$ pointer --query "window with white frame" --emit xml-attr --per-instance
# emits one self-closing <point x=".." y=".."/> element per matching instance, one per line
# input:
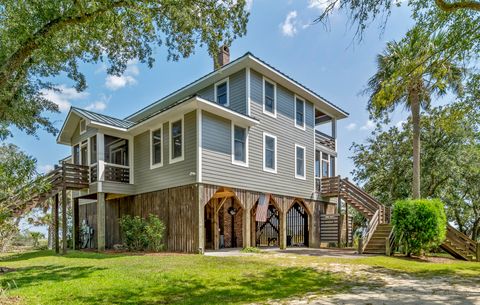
<point x="269" y="153"/>
<point x="299" y="113"/>
<point x="299" y="162"/>
<point x="83" y="126"/>
<point x="239" y="146"/>
<point x="325" y="165"/>
<point x="269" y="98"/>
<point x="156" y="147"/>
<point x="332" y="166"/>
<point x="221" y="93"/>
<point x="93" y="149"/>
<point x="76" y="154"/>
<point x="176" y="140"/>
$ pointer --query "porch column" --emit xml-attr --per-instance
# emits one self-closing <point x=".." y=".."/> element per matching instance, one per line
<point x="55" y="224"/>
<point x="76" y="223"/>
<point x="64" y="220"/>
<point x="216" y="236"/>
<point x="101" y="156"/>
<point x="201" y="220"/>
<point x="283" y="230"/>
<point x="101" y="240"/>
<point x="246" y="226"/>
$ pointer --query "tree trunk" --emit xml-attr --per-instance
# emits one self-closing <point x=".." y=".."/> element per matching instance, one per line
<point x="415" y="108"/>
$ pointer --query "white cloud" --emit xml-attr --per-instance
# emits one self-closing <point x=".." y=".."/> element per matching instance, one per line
<point x="63" y="96"/>
<point x="43" y="169"/>
<point x="369" y="125"/>
<point x="249" y="5"/>
<point x="321" y="5"/>
<point x="114" y="82"/>
<point x="100" y="104"/>
<point x="351" y="126"/>
<point x="289" y="26"/>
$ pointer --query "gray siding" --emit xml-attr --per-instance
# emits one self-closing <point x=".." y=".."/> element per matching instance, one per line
<point x="169" y="175"/>
<point x="77" y="137"/>
<point x="217" y="167"/>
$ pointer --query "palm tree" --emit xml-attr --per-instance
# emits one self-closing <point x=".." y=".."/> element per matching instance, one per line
<point x="409" y="73"/>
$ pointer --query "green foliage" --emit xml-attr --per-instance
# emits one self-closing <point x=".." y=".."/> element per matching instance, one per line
<point x="36" y="236"/>
<point x="420" y="225"/>
<point x="140" y="234"/>
<point x="251" y="250"/>
<point x="43" y="39"/>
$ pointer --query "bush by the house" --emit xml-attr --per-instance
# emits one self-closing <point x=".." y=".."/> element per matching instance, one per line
<point x="142" y="234"/>
<point x="420" y="225"/>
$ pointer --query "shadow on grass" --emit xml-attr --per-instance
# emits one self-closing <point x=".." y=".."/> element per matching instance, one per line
<point x="22" y="256"/>
<point x="275" y="283"/>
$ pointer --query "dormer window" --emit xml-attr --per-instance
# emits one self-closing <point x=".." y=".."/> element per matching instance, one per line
<point x="221" y="93"/>
<point x="83" y="126"/>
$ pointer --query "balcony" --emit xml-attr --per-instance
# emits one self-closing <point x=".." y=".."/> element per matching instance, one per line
<point x="324" y="140"/>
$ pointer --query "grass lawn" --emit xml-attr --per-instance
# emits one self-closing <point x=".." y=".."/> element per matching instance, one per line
<point x="90" y="278"/>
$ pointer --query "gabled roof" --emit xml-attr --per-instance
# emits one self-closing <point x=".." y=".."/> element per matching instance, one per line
<point x="247" y="60"/>
<point x="103" y="119"/>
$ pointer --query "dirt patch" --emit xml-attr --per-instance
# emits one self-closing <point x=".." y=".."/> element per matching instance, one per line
<point x="6" y="270"/>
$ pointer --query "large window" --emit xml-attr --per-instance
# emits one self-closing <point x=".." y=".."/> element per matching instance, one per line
<point x="76" y="154"/>
<point x="84" y="153"/>
<point x="299" y="113"/>
<point x="239" y="145"/>
<point x="176" y="141"/>
<point x="269" y="98"/>
<point x="269" y="153"/>
<point x="221" y="93"/>
<point x="299" y="162"/>
<point x="93" y="150"/>
<point x="156" y="146"/>
<point x="332" y="166"/>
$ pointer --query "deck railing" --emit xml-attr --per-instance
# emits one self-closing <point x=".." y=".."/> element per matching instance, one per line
<point x="117" y="173"/>
<point x="324" y="140"/>
<point x="368" y="233"/>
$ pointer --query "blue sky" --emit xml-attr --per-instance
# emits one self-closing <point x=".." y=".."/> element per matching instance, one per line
<point x="281" y="33"/>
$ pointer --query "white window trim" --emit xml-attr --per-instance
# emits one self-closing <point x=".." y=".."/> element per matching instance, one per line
<point x="80" y="126"/>
<point x="295" y="112"/>
<point x="156" y="165"/>
<point x="236" y="162"/>
<point x="321" y="164"/>
<point x="225" y="80"/>
<point x="274" y="114"/>
<point x="182" y="157"/>
<point x="266" y="169"/>
<point x="304" y="177"/>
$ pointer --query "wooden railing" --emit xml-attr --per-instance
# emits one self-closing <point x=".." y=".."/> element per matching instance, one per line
<point x="117" y="173"/>
<point x="391" y="243"/>
<point x="72" y="176"/>
<point x="463" y="244"/>
<point x="368" y="233"/>
<point x="324" y="140"/>
<point x="94" y="172"/>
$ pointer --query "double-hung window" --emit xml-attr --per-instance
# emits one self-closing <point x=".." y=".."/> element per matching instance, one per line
<point x="239" y="145"/>
<point x="299" y="162"/>
<point x="269" y="98"/>
<point x="325" y="165"/>
<point x="269" y="153"/>
<point x="93" y="150"/>
<point x="176" y="141"/>
<point x="83" y="126"/>
<point x="299" y="113"/>
<point x="221" y="93"/>
<point x="156" y="146"/>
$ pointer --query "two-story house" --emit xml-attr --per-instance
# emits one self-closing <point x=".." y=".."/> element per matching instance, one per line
<point x="233" y="159"/>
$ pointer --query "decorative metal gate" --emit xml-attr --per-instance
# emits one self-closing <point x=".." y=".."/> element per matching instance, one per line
<point x="297" y="226"/>
<point x="267" y="233"/>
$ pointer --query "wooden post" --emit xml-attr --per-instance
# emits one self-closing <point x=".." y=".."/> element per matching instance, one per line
<point x="246" y="226"/>
<point x="76" y="224"/>
<point x="339" y="210"/>
<point x="64" y="220"/>
<point x="216" y="236"/>
<point x="283" y="230"/>
<point x="101" y="221"/>
<point x="55" y="224"/>
<point x="360" y="245"/>
<point x="201" y="220"/>
<point x="387" y="246"/>
<point x="478" y="252"/>
<point x="346" y="225"/>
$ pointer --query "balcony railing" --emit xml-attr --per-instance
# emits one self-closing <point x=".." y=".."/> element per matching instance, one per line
<point x="93" y="172"/>
<point x="117" y="173"/>
<point x="324" y="140"/>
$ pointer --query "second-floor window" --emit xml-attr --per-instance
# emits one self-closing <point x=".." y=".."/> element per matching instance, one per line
<point x="269" y="153"/>
<point x="299" y="162"/>
<point x="83" y="126"/>
<point x="156" y="140"/>
<point x="176" y="141"/>
<point x="269" y="98"/>
<point x="76" y="154"/>
<point x="221" y="93"/>
<point x="239" y="145"/>
<point x="93" y="150"/>
<point x="325" y="165"/>
<point x="299" y="113"/>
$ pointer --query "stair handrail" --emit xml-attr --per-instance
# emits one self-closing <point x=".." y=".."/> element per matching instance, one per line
<point x="391" y="242"/>
<point x="368" y="233"/>
<point x="357" y="193"/>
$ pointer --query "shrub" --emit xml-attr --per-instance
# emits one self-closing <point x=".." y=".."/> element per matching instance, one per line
<point x="140" y="234"/>
<point x="420" y="225"/>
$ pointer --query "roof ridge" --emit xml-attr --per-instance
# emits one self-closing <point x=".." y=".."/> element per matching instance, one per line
<point x="105" y="115"/>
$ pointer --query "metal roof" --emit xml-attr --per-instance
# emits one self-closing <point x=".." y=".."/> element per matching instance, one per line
<point x="103" y="119"/>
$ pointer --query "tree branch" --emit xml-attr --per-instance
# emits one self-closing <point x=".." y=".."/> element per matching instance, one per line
<point x="461" y="5"/>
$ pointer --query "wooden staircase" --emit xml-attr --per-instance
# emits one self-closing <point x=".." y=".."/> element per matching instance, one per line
<point x="378" y="237"/>
<point x="460" y="245"/>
